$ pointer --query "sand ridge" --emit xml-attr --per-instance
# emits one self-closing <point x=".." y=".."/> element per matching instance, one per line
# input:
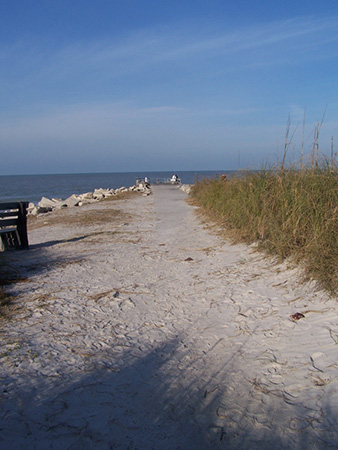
<point x="151" y="332"/>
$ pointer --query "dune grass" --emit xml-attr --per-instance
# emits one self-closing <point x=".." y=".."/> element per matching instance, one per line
<point x="5" y="300"/>
<point x="290" y="213"/>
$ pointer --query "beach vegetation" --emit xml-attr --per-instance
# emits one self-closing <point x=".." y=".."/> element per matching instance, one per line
<point x="289" y="212"/>
<point x="5" y="300"/>
<point x="84" y="215"/>
<point x="79" y="217"/>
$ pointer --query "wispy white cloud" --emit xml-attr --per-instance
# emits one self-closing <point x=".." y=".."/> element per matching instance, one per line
<point x="101" y="119"/>
<point x="83" y="121"/>
<point x="183" y="86"/>
<point x="89" y="123"/>
<point x="176" y="44"/>
<point x="153" y="47"/>
<point x="103" y="134"/>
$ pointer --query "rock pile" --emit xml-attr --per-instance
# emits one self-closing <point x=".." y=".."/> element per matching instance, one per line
<point x="186" y="188"/>
<point x="47" y="205"/>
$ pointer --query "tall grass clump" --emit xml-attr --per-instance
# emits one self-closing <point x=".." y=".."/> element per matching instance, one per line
<point x="4" y="303"/>
<point x="290" y="213"/>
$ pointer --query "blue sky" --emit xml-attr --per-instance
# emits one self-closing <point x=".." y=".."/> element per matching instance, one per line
<point x="106" y="86"/>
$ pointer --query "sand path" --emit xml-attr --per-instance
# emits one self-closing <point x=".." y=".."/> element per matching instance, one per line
<point x="151" y="332"/>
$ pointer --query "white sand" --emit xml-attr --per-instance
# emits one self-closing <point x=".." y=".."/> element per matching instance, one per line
<point x="121" y="342"/>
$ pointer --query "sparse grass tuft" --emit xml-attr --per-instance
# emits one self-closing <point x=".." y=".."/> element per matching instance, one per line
<point x="5" y="300"/>
<point x="121" y="196"/>
<point x="290" y="213"/>
<point x="79" y="217"/>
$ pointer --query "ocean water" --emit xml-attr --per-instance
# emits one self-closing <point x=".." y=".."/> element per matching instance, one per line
<point x="33" y="187"/>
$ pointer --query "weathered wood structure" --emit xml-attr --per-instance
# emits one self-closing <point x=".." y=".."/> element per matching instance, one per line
<point x="13" y="225"/>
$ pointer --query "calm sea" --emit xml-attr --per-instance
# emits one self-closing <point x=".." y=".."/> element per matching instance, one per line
<point x="32" y="187"/>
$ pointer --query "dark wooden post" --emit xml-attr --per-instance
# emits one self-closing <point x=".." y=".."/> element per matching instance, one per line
<point x="22" y="226"/>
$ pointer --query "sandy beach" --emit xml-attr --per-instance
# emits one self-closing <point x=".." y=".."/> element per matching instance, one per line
<point x="136" y="326"/>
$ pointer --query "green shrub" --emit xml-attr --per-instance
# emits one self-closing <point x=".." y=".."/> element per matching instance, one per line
<point x="290" y="213"/>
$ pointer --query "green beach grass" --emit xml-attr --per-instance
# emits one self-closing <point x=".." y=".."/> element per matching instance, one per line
<point x="290" y="213"/>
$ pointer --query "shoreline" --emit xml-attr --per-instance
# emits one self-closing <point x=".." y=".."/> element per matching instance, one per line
<point x="33" y="187"/>
<point x="138" y="326"/>
<point x="46" y="205"/>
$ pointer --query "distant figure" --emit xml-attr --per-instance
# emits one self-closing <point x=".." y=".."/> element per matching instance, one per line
<point x="174" y="178"/>
<point x="223" y="177"/>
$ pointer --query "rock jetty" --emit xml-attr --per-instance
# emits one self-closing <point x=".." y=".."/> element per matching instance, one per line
<point x="47" y="205"/>
<point x="186" y="188"/>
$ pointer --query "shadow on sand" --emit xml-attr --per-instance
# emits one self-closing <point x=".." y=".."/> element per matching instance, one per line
<point x="17" y="265"/>
<point x="136" y="398"/>
<point x="136" y="402"/>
